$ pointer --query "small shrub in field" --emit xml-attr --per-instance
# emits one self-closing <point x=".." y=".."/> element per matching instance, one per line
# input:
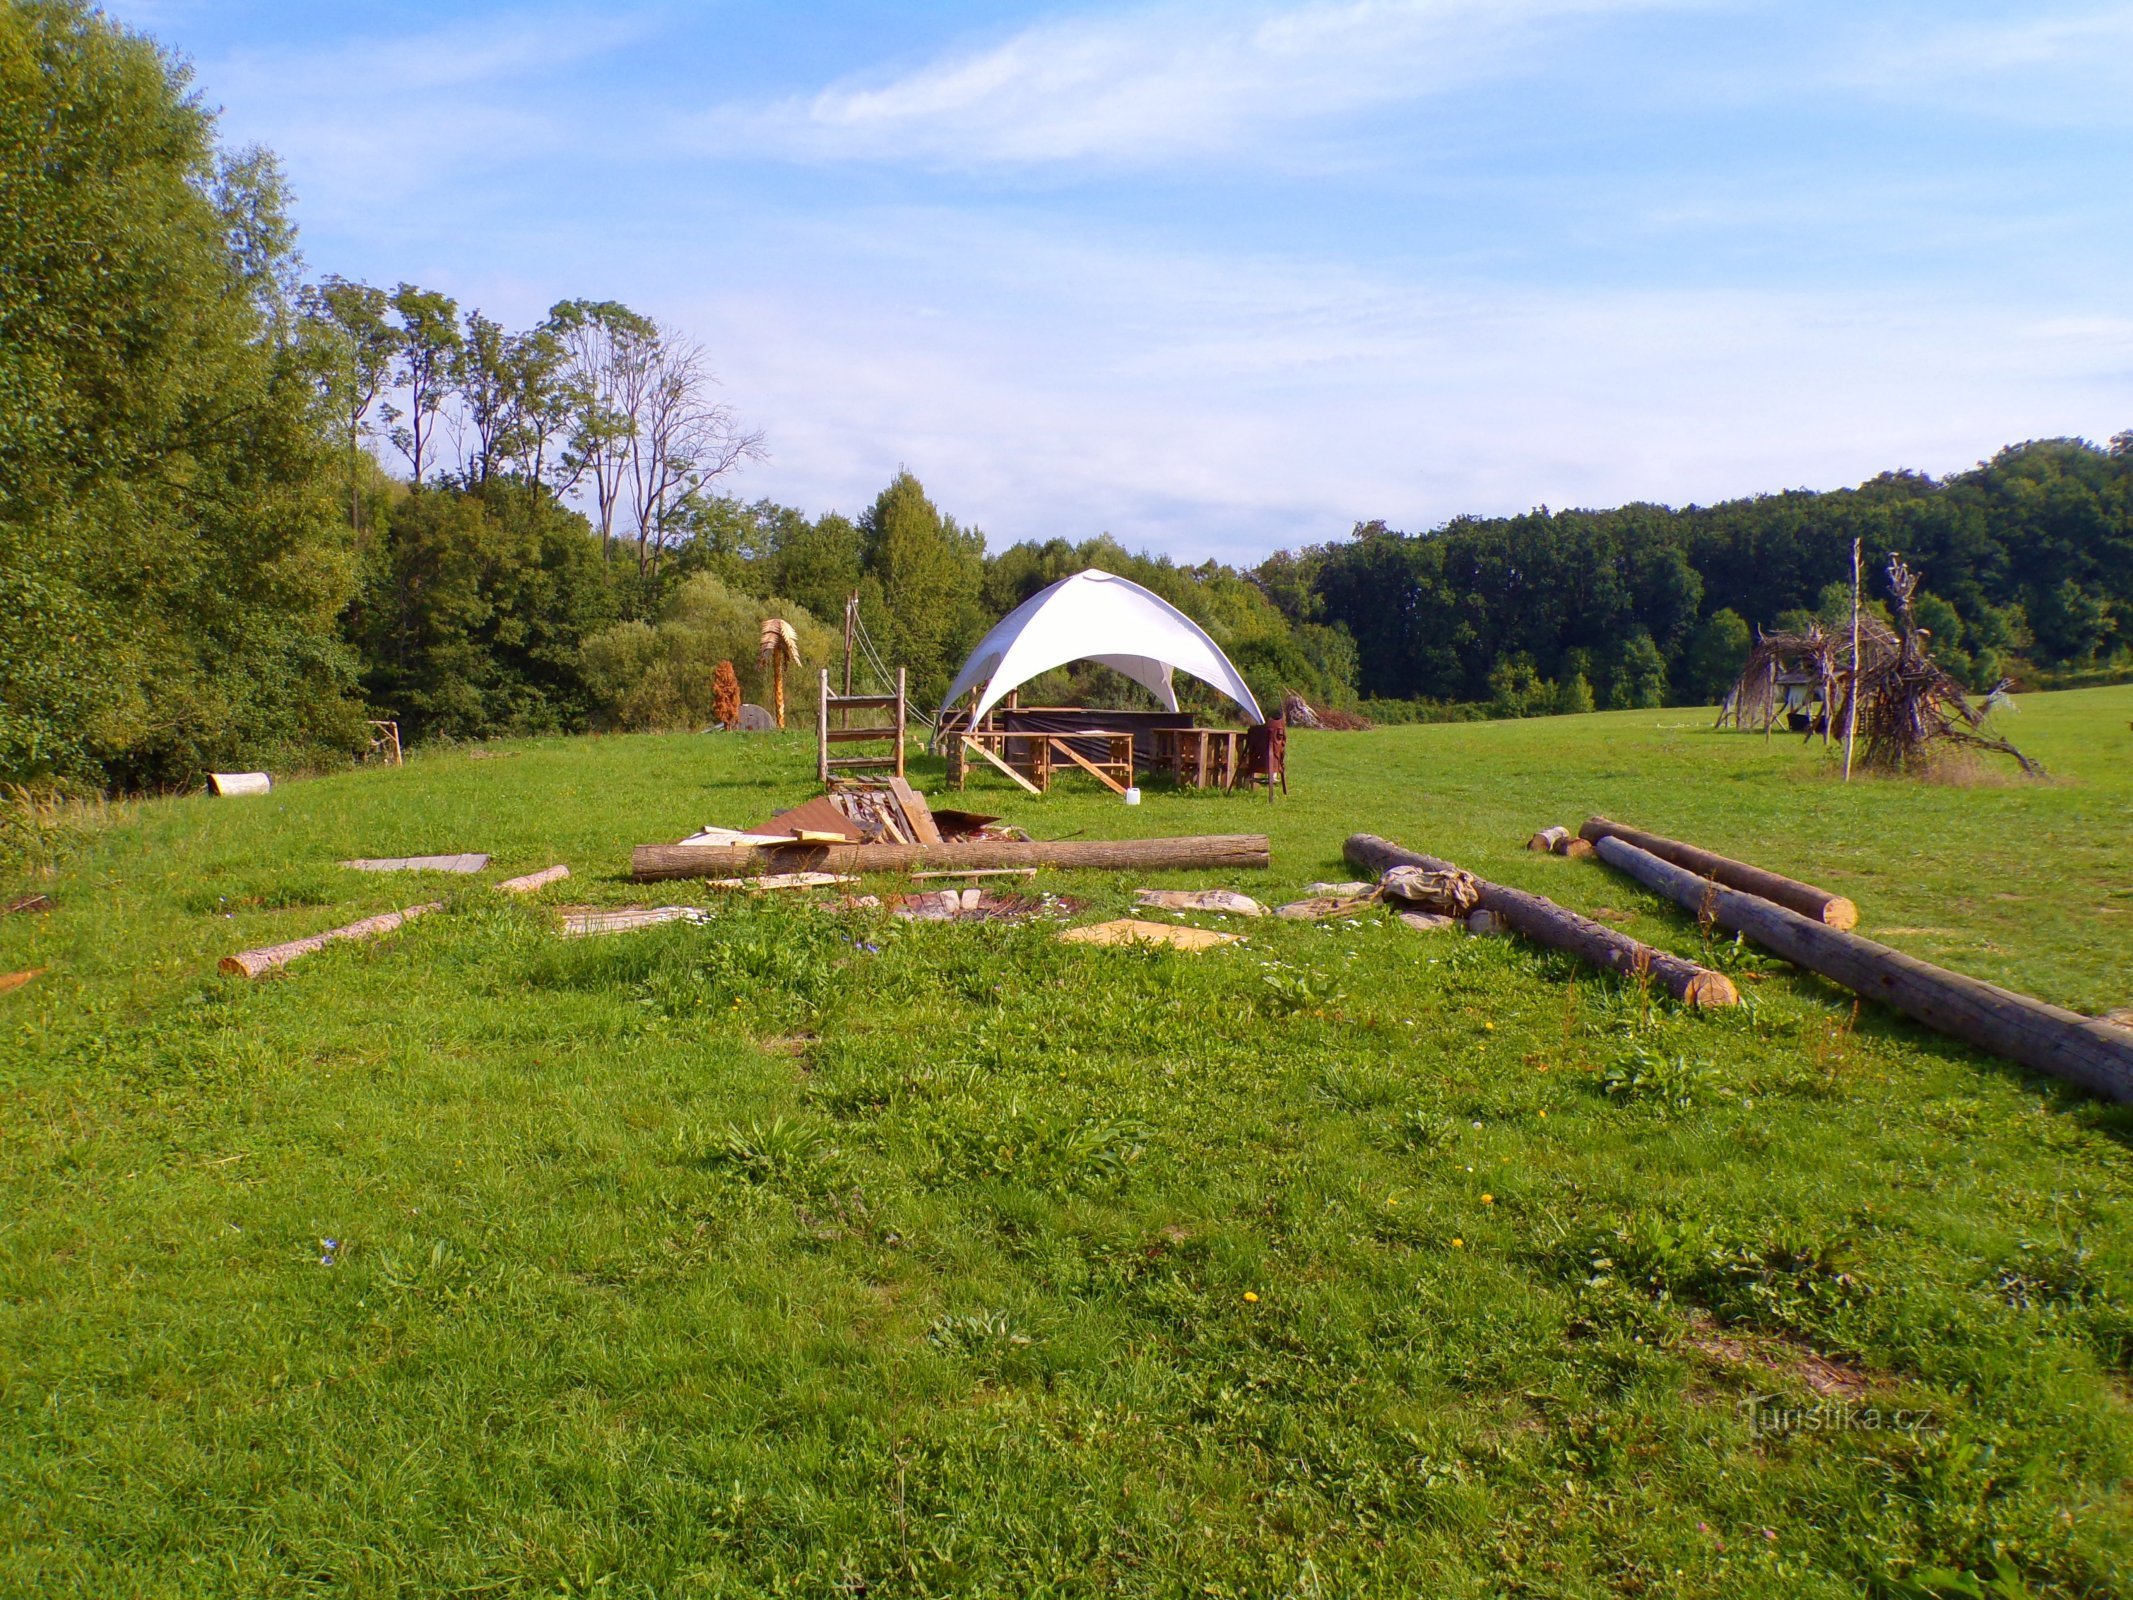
<point x="1287" y="992"/>
<point x="777" y="1154"/>
<point x="1648" y="1077"/>
<point x="1424" y="1130"/>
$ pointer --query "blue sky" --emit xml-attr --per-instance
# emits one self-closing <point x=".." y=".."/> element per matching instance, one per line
<point x="1223" y="278"/>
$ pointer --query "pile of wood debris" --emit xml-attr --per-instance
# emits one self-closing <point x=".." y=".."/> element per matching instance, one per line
<point x="864" y="811"/>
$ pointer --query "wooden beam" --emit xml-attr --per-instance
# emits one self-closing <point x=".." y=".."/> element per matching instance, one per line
<point x="1543" y="921"/>
<point x="2088" y="1051"/>
<point x="652" y="863"/>
<point x="917" y="814"/>
<point x="1804" y="898"/>
<point x="860" y="735"/>
<point x="971" y="744"/>
<point x="1102" y="777"/>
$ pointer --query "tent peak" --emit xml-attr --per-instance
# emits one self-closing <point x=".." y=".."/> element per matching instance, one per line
<point x="1094" y="615"/>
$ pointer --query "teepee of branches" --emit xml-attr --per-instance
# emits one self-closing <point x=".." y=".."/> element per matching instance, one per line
<point x="1908" y="709"/>
<point x="1806" y="670"/>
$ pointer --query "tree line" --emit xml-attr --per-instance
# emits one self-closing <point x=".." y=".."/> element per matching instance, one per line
<point x="2028" y="562"/>
<point x="205" y="561"/>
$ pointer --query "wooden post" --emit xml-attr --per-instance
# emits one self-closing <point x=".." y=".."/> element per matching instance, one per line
<point x="1851" y="697"/>
<point x="777" y="686"/>
<point x="899" y="722"/>
<point x="2087" y="1051"/>
<point x="851" y="621"/>
<point x="822" y="734"/>
<point x="1543" y="921"/>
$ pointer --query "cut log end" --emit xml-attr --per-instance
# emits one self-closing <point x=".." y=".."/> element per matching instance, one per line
<point x="1841" y="914"/>
<point x="1575" y="849"/>
<point x="1548" y="839"/>
<point x="1709" y="988"/>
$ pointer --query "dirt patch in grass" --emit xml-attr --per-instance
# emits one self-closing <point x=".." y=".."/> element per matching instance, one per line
<point x="1832" y="1380"/>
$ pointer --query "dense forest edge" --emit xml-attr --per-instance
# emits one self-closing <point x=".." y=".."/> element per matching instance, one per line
<point x="205" y="561"/>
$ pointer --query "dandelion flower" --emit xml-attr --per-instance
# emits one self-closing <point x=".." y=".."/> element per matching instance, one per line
<point x="1458" y="1244"/>
<point x="1250" y="1298"/>
<point x="1488" y="1199"/>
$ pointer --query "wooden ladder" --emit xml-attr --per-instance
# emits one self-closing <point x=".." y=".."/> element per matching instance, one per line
<point x="843" y="705"/>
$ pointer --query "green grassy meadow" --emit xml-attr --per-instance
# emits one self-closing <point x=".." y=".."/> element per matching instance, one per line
<point x="809" y="1255"/>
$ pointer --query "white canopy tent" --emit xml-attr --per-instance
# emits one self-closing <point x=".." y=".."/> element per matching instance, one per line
<point x="1098" y="616"/>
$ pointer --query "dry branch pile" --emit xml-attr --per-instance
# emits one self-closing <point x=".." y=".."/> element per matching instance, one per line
<point x="1908" y="710"/>
<point x="1907" y="706"/>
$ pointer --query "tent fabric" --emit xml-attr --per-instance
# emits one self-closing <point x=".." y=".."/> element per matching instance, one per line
<point x="1098" y="616"/>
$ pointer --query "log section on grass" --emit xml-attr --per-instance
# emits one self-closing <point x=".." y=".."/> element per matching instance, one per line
<point x="1543" y="921"/>
<point x="534" y="882"/>
<point x="2046" y="1038"/>
<point x="258" y="963"/>
<point x="654" y="863"/>
<point x="1804" y="898"/>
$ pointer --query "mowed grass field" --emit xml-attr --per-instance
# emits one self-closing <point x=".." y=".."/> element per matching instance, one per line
<point x="799" y="1254"/>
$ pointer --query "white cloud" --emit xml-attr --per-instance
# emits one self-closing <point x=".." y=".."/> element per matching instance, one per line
<point x="2045" y="66"/>
<point x="1178" y="80"/>
<point x="1225" y="407"/>
<point x="367" y="122"/>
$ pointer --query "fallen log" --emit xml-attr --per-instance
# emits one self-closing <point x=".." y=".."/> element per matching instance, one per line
<point x="534" y="882"/>
<point x="1548" y="839"/>
<point x="653" y="863"/>
<point x="1545" y="922"/>
<point x="2087" y="1051"/>
<point x="258" y="963"/>
<point x="468" y="862"/>
<point x="1805" y="898"/>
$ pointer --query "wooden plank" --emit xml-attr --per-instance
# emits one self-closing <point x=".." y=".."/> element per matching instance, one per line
<point x="533" y="882"/>
<point x="972" y="745"/>
<point x="879" y="702"/>
<point x="258" y="963"/>
<point x="1543" y="921"/>
<point x="580" y="924"/>
<point x="467" y="863"/>
<point x="781" y="880"/>
<point x="916" y="812"/>
<point x="858" y="763"/>
<point x="653" y="863"/>
<point x="1805" y="898"/>
<point x="1089" y="767"/>
<point x="2088" y="1051"/>
<point x="861" y="735"/>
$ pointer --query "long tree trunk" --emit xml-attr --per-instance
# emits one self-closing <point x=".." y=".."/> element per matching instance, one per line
<point x="1804" y="898"/>
<point x="653" y="863"/>
<point x="1543" y="921"/>
<point x="2095" y="1054"/>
